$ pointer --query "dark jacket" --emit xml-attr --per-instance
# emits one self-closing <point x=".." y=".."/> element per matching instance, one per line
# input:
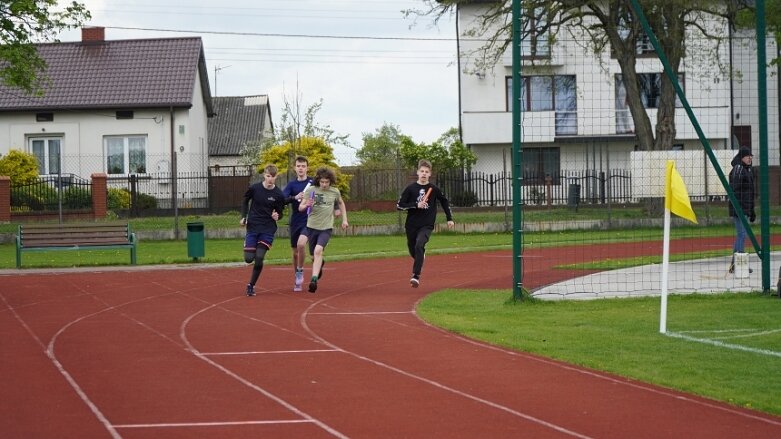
<point x="741" y="180"/>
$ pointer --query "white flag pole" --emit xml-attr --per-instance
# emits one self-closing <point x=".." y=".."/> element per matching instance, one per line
<point x="665" y="269"/>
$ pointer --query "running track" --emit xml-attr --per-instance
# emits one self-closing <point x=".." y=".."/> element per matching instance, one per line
<point x="182" y="353"/>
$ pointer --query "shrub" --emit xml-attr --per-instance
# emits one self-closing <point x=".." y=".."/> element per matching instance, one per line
<point x="118" y="199"/>
<point x="146" y="202"/>
<point x="464" y="199"/>
<point x="22" y="167"/>
<point x="76" y="197"/>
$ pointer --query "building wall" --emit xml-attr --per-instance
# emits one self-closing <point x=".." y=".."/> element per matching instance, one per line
<point x="487" y="120"/>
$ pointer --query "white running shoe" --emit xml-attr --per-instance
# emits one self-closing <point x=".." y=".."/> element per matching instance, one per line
<point x="299" y="280"/>
<point x="414" y="282"/>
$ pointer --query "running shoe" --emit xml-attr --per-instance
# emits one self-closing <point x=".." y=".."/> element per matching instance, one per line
<point x="250" y="290"/>
<point x="312" y="286"/>
<point x="299" y="280"/>
<point x="414" y="282"/>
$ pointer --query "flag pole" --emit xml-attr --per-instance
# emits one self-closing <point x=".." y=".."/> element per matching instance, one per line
<point x="665" y="270"/>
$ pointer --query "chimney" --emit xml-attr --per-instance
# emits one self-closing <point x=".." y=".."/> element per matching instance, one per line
<point x="93" y="34"/>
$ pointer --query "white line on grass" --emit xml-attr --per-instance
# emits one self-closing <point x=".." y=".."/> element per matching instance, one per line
<point x="736" y="347"/>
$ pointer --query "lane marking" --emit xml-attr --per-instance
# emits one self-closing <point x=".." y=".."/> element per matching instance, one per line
<point x="213" y="424"/>
<point x="305" y="351"/>
<point x="246" y="382"/>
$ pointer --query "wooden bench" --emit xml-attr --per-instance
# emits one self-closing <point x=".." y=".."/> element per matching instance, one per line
<point x="45" y="237"/>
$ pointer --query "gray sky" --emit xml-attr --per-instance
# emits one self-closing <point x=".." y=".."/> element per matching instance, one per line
<point x="410" y="81"/>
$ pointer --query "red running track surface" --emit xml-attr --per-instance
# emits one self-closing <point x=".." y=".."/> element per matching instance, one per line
<point x="182" y="353"/>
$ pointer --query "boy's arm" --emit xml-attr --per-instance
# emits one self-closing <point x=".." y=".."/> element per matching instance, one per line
<point x="405" y="201"/>
<point x="245" y="205"/>
<point x="343" y="208"/>
<point x="445" y="206"/>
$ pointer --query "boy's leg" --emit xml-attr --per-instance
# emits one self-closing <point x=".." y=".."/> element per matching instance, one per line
<point x="419" y="250"/>
<point x="317" y="263"/>
<point x="260" y="254"/>
<point x="298" y="257"/>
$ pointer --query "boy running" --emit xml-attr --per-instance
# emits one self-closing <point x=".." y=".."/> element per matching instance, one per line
<point x="319" y="200"/>
<point x="419" y="199"/>
<point x="262" y="207"/>
<point x="294" y="192"/>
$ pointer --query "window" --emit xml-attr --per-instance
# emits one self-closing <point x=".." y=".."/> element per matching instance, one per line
<point x="47" y="150"/>
<point x="534" y="37"/>
<point x="549" y="93"/>
<point x="539" y="163"/>
<point x="124" y="114"/>
<point x="650" y="85"/>
<point x="44" y="117"/>
<point x="125" y="155"/>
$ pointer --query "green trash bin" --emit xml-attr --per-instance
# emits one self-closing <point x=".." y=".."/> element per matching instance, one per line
<point x="195" y="240"/>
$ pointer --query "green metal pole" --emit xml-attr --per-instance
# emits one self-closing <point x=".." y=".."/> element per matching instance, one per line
<point x="764" y="187"/>
<point x="517" y="170"/>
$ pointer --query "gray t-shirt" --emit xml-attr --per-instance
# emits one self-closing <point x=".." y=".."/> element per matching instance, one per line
<point x="322" y="215"/>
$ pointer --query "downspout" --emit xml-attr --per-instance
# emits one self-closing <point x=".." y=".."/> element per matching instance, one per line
<point x="731" y="88"/>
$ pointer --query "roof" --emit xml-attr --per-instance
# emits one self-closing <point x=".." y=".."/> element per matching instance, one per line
<point x="117" y="74"/>
<point x="238" y="121"/>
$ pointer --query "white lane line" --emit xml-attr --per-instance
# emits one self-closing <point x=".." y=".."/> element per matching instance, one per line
<point x="239" y="378"/>
<point x="363" y="313"/>
<point x="736" y="347"/>
<point x="436" y="384"/>
<point x="213" y="424"/>
<point x="303" y="351"/>
<point x="607" y="378"/>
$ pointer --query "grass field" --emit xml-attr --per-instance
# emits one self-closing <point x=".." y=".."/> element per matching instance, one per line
<point x="622" y="336"/>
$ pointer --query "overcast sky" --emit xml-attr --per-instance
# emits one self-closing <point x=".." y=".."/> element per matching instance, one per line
<point x="395" y="72"/>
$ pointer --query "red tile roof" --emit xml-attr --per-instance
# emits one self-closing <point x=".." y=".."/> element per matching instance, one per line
<point x="117" y="74"/>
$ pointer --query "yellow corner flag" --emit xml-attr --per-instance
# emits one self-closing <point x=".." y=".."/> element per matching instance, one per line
<point x="676" y="198"/>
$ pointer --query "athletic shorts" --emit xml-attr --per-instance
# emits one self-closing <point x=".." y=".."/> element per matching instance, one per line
<point x="316" y="237"/>
<point x="295" y="232"/>
<point x="253" y="240"/>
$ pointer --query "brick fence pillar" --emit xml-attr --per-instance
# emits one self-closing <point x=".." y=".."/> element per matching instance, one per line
<point x="99" y="196"/>
<point x="5" y="199"/>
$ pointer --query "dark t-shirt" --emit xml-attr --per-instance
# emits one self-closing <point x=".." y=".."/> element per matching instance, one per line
<point x="416" y="217"/>
<point x="261" y="203"/>
<point x="292" y="189"/>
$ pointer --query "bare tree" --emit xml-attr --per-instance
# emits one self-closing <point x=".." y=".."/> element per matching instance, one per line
<point x="613" y="24"/>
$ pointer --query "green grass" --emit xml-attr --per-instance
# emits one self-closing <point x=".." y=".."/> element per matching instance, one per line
<point x="621" y="336"/>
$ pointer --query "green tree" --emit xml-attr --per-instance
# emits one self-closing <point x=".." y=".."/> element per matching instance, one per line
<point x="678" y="25"/>
<point x="22" y="167"/>
<point x="24" y="23"/>
<point x="318" y="153"/>
<point x="380" y="149"/>
<point x="447" y="152"/>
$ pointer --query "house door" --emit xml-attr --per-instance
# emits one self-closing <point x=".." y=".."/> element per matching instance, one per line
<point x="48" y="151"/>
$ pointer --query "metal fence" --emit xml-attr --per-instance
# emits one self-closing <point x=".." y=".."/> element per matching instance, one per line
<point x="52" y="193"/>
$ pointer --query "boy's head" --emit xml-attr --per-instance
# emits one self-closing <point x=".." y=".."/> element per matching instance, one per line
<point x="301" y="166"/>
<point x="271" y="170"/>
<point x="424" y="171"/>
<point x="324" y="174"/>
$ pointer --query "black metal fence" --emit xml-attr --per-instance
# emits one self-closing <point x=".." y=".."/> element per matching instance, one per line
<point x="52" y="193"/>
<point x="222" y="189"/>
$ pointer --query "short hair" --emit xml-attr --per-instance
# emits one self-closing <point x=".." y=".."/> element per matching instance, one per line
<point x="301" y="159"/>
<point x="270" y="169"/>
<point x="424" y="163"/>
<point x="325" y="172"/>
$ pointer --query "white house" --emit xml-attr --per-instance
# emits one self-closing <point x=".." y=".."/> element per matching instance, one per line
<point x="120" y="107"/>
<point x="574" y="116"/>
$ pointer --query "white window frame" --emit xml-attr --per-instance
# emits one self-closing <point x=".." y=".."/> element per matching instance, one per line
<point x="127" y="142"/>
<point x="46" y="167"/>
